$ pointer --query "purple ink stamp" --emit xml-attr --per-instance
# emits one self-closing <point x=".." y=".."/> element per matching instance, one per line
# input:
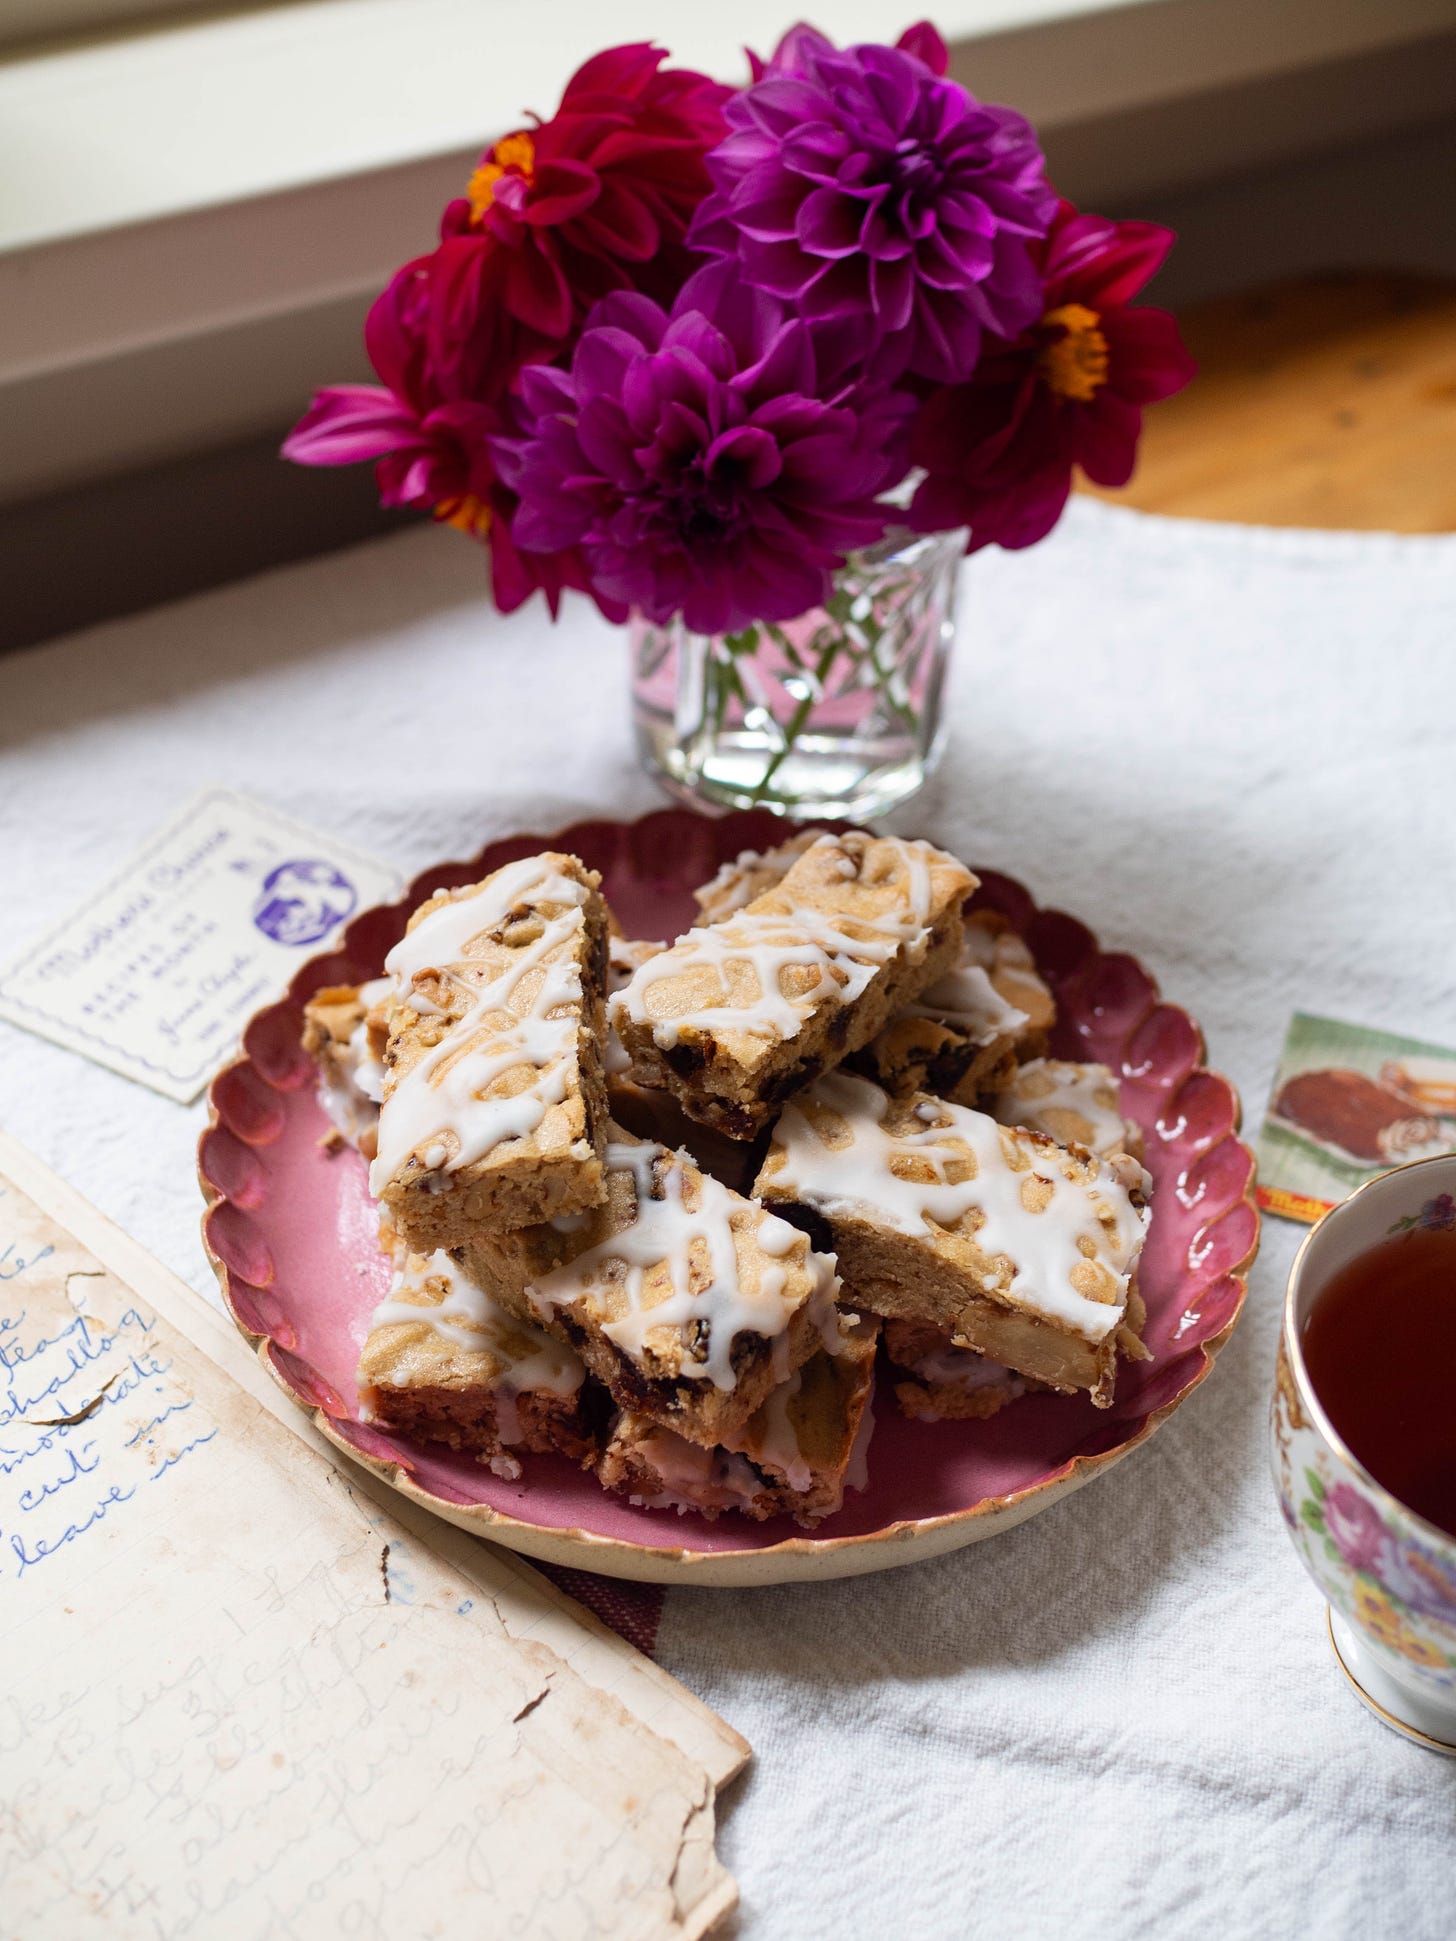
<point x="302" y="901"/>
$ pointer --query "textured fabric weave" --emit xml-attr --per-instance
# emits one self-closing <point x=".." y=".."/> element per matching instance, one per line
<point x="1230" y="751"/>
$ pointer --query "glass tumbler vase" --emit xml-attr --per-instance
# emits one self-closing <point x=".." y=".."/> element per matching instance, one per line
<point x="834" y="714"/>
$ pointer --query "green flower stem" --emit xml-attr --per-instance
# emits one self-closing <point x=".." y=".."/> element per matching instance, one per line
<point x="798" y="720"/>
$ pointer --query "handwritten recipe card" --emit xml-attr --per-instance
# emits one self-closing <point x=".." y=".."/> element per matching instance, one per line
<point x="248" y="1694"/>
<point x="157" y="973"/>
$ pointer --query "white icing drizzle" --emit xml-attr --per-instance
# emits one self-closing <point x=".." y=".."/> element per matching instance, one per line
<point x="1042" y="1250"/>
<point x="750" y="873"/>
<point x="1003" y="954"/>
<point x="623" y="958"/>
<point x="857" y="1469"/>
<point x="1073" y="1104"/>
<point x="842" y="955"/>
<point x="966" y="998"/>
<point x="431" y="1290"/>
<point x="444" y="1093"/>
<point x="774" y="1442"/>
<point x="666" y="1232"/>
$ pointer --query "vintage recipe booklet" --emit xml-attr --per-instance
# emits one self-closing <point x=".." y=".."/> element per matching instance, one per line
<point x="249" y="1692"/>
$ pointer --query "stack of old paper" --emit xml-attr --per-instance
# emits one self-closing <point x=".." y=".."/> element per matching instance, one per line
<point x="249" y="1693"/>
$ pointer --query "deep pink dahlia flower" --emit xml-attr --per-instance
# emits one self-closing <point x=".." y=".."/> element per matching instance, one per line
<point x="427" y="440"/>
<point x="720" y="462"/>
<point x="999" y="451"/>
<point x="863" y="182"/>
<point x="596" y="199"/>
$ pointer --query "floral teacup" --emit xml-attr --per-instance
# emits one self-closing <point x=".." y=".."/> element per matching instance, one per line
<point x="1389" y="1575"/>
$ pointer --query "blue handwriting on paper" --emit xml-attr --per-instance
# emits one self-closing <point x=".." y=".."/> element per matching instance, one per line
<point x="64" y="1470"/>
<point x="14" y="1264"/>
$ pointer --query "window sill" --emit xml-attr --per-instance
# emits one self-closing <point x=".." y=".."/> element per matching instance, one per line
<point x="192" y="219"/>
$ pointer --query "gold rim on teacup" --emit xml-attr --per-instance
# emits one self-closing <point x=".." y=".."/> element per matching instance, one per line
<point x="1308" y="1399"/>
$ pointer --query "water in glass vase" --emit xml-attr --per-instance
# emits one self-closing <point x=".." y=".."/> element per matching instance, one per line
<point x="837" y="713"/>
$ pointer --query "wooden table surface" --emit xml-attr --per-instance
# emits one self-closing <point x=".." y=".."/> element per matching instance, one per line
<point x="1325" y="401"/>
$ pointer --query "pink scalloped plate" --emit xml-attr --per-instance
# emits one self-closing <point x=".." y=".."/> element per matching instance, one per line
<point x="291" y="1233"/>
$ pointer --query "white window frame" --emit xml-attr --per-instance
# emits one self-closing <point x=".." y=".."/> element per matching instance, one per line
<point x="192" y="218"/>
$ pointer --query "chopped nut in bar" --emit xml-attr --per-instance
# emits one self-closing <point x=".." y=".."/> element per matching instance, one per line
<point x="494" y="1107"/>
<point x="1016" y="1247"/>
<point x="739" y="1014"/>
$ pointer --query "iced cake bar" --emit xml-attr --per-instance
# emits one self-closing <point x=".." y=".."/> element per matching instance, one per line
<point x="443" y="1362"/>
<point x="1016" y="1247"/>
<point x="690" y="1302"/>
<point x="494" y="1108"/>
<point x="739" y="1014"/>
<point x="796" y="1455"/>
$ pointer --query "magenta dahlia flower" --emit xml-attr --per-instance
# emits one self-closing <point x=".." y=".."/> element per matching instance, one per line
<point x="999" y="450"/>
<point x="864" y="182"/>
<point x="428" y="441"/>
<point x="596" y="199"/>
<point x="720" y="462"/>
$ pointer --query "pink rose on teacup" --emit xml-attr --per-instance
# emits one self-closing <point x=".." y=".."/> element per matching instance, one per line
<point x="1354" y="1524"/>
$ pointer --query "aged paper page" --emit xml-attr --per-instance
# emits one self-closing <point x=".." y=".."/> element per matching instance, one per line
<point x="245" y="1698"/>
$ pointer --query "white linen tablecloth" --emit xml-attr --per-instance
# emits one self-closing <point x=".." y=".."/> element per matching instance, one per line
<point x="1234" y="753"/>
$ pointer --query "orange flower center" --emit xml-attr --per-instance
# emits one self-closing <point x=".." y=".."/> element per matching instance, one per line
<point x="1074" y="363"/>
<point x="466" y="513"/>
<point x="512" y="155"/>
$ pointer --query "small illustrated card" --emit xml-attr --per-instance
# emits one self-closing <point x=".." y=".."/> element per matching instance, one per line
<point x="1349" y="1103"/>
<point x="156" y="974"/>
<point x="248" y="1693"/>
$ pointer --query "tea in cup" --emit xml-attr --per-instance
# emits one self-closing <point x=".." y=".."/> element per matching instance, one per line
<point x="1364" y="1439"/>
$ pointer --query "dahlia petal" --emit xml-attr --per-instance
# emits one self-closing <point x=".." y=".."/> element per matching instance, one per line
<point x="536" y="292"/>
<point x="411" y="478"/>
<point x="561" y="190"/>
<point x="799" y="47"/>
<point x="925" y="44"/>
<point x="603" y="360"/>
<point x="1136" y="255"/>
<point x="892" y="292"/>
<point x="1148" y="359"/>
<point x="780" y="268"/>
<point x="1105" y="438"/>
<point x="606" y="443"/>
<point x="746" y="452"/>
<point x="615" y="72"/>
<point x="827" y="223"/>
<point x="622" y="225"/>
<point x="347" y="424"/>
<point x="392" y="329"/>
